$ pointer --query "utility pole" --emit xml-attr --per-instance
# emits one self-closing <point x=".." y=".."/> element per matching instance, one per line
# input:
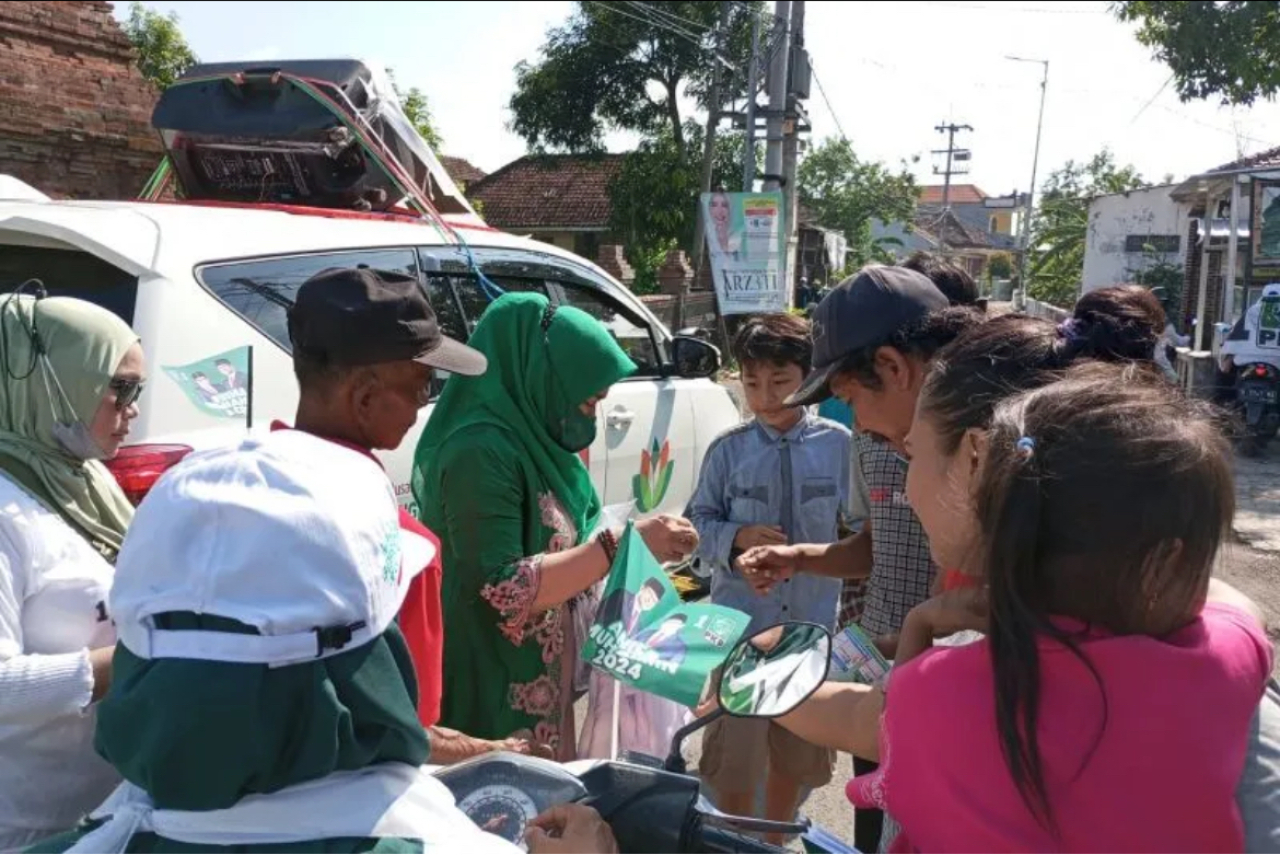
<point x="709" y="136"/>
<point x="953" y="155"/>
<point x="753" y="83"/>
<point x="777" y="94"/>
<point x="1020" y="295"/>
<point x="797" y="89"/>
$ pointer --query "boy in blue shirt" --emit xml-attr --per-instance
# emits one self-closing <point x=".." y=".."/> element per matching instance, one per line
<point x="780" y="478"/>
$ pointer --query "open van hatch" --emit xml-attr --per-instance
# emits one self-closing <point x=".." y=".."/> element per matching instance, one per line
<point x="315" y="133"/>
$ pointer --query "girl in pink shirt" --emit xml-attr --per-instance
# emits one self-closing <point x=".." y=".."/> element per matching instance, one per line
<point x="1108" y="706"/>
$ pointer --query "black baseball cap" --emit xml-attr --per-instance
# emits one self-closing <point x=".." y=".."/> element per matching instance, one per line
<point x="353" y="316"/>
<point x="863" y="311"/>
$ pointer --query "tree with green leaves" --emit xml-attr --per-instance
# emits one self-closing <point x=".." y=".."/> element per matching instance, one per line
<point x="1000" y="265"/>
<point x="655" y="196"/>
<point x="1060" y="226"/>
<point x="1230" y="50"/>
<point x="418" y="111"/>
<point x="846" y="193"/>
<point x="626" y="66"/>
<point x="163" y="52"/>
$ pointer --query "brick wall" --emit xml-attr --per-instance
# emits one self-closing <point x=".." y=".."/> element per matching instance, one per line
<point x="1191" y="275"/>
<point x="74" y="111"/>
<point x="1191" y="282"/>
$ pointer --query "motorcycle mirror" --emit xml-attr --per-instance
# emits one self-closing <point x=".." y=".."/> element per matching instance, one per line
<point x="776" y="670"/>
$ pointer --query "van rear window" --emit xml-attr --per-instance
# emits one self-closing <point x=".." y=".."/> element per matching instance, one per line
<point x="70" y="273"/>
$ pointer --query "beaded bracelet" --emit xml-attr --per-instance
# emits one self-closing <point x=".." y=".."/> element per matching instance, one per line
<point x="609" y="543"/>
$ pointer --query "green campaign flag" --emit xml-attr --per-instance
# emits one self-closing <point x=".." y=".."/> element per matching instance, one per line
<point x="645" y="637"/>
<point x="219" y="385"/>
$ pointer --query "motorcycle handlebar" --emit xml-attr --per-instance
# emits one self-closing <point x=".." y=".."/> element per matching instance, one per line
<point x="708" y="838"/>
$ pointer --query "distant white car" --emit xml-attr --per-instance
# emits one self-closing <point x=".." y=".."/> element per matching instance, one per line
<point x="207" y="288"/>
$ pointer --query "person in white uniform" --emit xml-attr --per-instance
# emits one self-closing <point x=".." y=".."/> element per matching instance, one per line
<point x="265" y="699"/>
<point x="70" y="377"/>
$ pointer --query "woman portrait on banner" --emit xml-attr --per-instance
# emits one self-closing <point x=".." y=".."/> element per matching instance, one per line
<point x="724" y="239"/>
<point x="498" y="477"/>
<point x="70" y="377"/>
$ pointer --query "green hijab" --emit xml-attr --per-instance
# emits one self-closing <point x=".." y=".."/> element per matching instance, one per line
<point x="543" y="365"/>
<point x="85" y="344"/>
<point x="200" y="735"/>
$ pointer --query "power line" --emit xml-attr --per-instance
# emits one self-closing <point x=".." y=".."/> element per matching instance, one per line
<point x="695" y="26"/>
<point x="830" y="109"/>
<point x="644" y="19"/>
<point x="661" y="19"/>
<point x="1152" y="100"/>
<point x="1034" y="10"/>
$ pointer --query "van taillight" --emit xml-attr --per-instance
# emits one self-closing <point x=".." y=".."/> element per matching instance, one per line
<point x="138" y="467"/>
<point x="1260" y="370"/>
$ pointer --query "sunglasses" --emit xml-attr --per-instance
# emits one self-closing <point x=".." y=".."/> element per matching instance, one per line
<point x="127" y="392"/>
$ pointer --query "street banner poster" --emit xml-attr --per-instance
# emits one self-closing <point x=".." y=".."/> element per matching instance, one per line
<point x="1266" y="224"/>
<point x="218" y="385"/>
<point x="645" y="637"/>
<point x="747" y="244"/>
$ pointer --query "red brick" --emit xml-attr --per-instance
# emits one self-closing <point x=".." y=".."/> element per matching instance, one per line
<point x="74" y="111"/>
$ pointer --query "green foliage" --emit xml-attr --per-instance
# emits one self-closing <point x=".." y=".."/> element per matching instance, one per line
<point x="1061" y="223"/>
<point x="845" y="193"/>
<point x="1160" y="275"/>
<point x="617" y="66"/>
<point x="418" y="111"/>
<point x="655" y="197"/>
<point x="163" y="53"/>
<point x="1226" y="49"/>
<point x="1000" y="265"/>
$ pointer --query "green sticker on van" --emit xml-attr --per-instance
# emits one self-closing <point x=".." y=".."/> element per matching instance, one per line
<point x="218" y="385"/>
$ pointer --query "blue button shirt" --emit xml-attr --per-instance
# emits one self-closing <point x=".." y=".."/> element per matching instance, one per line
<point x="753" y="475"/>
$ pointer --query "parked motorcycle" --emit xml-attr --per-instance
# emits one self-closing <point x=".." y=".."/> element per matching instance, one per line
<point x="1258" y="399"/>
<point x="654" y="805"/>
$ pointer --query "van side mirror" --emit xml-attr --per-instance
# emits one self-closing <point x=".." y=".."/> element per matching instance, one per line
<point x="694" y="358"/>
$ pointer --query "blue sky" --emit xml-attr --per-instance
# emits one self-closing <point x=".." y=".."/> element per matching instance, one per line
<point x="891" y="70"/>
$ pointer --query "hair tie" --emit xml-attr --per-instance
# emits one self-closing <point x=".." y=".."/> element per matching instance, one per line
<point x="1026" y="447"/>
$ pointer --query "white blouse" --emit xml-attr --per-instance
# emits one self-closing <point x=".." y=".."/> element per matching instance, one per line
<point x="53" y="592"/>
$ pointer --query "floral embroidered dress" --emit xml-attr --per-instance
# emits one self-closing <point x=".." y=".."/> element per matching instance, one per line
<point x="498" y="477"/>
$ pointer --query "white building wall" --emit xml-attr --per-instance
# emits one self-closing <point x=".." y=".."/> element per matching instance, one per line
<point x="1113" y="219"/>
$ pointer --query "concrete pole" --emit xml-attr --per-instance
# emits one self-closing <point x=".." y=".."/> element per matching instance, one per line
<point x="1203" y="339"/>
<point x="1229" y="296"/>
<point x="777" y="93"/>
<point x="753" y="83"/>
<point x="790" y="159"/>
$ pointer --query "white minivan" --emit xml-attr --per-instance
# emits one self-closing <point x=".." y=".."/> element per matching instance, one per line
<point x="207" y="287"/>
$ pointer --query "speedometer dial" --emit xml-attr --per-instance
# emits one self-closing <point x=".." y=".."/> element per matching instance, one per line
<point x="500" y="809"/>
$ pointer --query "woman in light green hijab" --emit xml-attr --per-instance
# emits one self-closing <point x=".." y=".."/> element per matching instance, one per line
<point x="70" y="376"/>
<point x="498" y="478"/>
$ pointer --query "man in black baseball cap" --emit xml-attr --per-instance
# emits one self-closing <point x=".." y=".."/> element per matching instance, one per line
<point x="366" y="346"/>
<point x="873" y="336"/>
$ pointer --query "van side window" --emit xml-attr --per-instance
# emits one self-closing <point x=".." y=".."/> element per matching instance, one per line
<point x="262" y="290"/>
<point x="473" y="298"/>
<point x="635" y="339"/>
<point x="70" y="273"/>
<point x="448" y="313"/>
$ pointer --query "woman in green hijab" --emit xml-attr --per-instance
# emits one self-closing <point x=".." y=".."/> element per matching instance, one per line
<point x="70" y="376"/>
<point x="498" y="477"/>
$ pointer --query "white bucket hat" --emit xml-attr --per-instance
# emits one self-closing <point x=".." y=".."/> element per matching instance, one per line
<point x="293" y="535"/>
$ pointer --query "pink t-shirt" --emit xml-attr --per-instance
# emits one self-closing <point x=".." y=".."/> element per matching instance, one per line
<point x="1161" y="778"/>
